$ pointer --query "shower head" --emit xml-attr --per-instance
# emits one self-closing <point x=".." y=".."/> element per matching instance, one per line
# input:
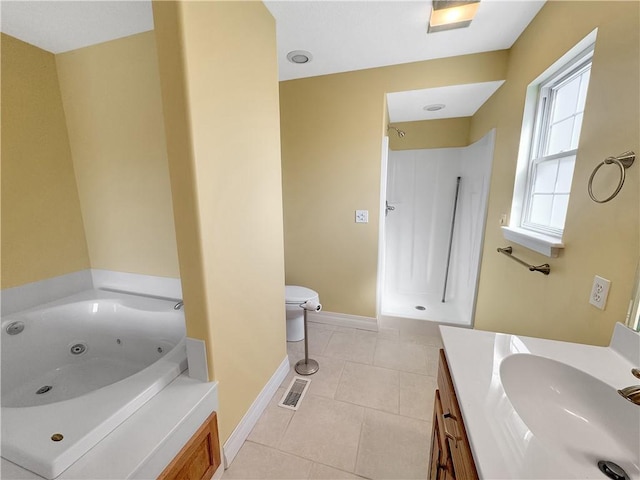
<point x="401" y="133"/>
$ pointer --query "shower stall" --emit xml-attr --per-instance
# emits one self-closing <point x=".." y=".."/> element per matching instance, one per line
<point x="432" y="231"/>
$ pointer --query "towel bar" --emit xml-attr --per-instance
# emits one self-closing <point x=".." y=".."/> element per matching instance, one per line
<point x="545" y="269"/>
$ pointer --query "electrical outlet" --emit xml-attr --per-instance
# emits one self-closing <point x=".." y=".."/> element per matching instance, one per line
<point x="599" y="292"/>
<point x="362" y="216"/>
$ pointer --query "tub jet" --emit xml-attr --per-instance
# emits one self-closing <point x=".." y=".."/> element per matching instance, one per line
<point x="78" y="348"/>
<point x="15" y="328"/>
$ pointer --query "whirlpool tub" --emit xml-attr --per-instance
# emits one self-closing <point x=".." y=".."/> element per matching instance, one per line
<point x="75" y="369"/>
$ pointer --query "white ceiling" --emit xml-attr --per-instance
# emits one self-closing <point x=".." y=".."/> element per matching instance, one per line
<point x="354" y="35"/>
<point x="59" y="26"/>
<point x="341" y="35"/>
<point x="459" y="101"/>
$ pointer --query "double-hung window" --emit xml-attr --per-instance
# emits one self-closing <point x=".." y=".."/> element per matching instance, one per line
<point x="552" y="121"/>
<point x="554" y="146"/>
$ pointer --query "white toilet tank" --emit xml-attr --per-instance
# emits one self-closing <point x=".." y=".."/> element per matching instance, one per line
<point x="294" y="296"/>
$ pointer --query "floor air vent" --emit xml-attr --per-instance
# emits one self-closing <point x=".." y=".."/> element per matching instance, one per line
<point x="295" y="393"/>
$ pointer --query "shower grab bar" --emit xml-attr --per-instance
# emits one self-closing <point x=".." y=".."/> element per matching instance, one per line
<point x="453" y="222"/>
<point x="545" y="269"/>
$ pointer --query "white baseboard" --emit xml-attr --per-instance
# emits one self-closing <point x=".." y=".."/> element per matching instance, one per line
<point x="219" y="471"/>
<point x="242" y="431"/>
<point x="343" y="320"/>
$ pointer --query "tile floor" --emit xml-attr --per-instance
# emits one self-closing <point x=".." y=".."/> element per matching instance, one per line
<point x="367" y="413"/>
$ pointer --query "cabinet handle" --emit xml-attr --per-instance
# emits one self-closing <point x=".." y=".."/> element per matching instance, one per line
<point x="446" y="433"/>
<point x="451" y="437"/>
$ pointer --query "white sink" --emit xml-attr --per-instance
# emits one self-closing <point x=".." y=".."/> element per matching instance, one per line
<point x="573" y="412"/>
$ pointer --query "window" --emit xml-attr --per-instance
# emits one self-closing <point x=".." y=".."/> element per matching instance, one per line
<point x="560" y="107"/>
<point x="551" y="125"/>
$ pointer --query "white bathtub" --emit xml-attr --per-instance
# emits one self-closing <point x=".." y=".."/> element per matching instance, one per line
<point x="130" y="348"/>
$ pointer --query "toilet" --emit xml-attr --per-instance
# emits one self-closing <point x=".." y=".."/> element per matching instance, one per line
<point x="294" y="296"/>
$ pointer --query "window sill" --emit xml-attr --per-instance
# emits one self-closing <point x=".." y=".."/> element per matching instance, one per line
<point x="538" y="242"/>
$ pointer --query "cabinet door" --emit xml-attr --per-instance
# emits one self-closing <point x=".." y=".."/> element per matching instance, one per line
<point x="434" y="462"/>
<point x="440" y="464"/>
<point x="452" y="425"/>
<point x="199" y="458"/>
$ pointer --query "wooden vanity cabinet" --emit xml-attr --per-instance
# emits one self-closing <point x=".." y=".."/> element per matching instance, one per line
<point x="199" y="458"/>
<point x="440" y="465"/>
<point x="451" y="457"/>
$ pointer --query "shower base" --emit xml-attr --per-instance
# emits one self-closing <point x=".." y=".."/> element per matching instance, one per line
<point x="430" y="308"/>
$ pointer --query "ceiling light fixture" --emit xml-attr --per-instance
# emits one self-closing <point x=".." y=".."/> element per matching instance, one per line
<point x="434" y="107"/>
<point x="451" y="14"/>
<point x="299" y="56"/>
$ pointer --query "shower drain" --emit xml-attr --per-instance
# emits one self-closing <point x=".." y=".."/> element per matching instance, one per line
<point x="44" y="389"/>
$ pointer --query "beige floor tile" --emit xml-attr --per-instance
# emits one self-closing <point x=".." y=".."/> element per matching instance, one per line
<point x="388" y="333"/>
<point x="322" y="472"/>
<point x="293" y="350"/>
<point x="318" y="339"/>
<point x="320" y="326"/>
<point x="412" y="326"/>
<point x="273" y="422"/>
<point x="408" y="357"/>
<point x="429" y="340"/>
<point x="325" y="381"/>
<point x="369" y="386"/>
<point x="433" y="359"/>
<point x="416" y="395"/>
<point x="337" y="328"/>
<point x="393" y="447"/>
<point x="365" y="334"/>
<point x="408" y="336"/>
<point x="326" y="431"/>
<point x="261" y="462"/>
<point x="356" y="346"/>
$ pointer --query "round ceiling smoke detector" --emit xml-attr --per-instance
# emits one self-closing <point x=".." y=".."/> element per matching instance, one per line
<point x="434" y="107"/>
<point x="299" y="56"/>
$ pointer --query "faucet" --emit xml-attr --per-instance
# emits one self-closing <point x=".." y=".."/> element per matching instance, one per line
<point x="632" y="393"/>
<point x="178" y="305"/>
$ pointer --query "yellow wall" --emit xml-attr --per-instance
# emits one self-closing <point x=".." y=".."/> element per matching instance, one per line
<point x="113" y="107"/>
<point x="331" y="154"/>
<point x="444" y="133"/>
<point x="42" y="231"/>
<point x="219" y="77"/>
<point x="600" y="239"/>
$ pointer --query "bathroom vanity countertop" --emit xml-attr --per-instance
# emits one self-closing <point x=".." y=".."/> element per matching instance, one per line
<point x="147" y="441"/>
<point x="503" y="445"/>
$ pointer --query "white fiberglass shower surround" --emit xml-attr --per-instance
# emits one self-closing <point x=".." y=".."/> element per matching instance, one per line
<point x="433" y="230"/>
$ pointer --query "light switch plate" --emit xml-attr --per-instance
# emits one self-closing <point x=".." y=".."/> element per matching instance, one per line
<point x="362" y="216"/>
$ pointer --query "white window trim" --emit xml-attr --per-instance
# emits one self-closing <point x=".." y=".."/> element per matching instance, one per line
<point x="538" y="242"/>
<point x="543" y="243"/>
